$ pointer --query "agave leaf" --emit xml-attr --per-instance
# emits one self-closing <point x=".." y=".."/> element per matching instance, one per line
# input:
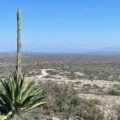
<point x="10" y="114"/>
<point x="37" y="91"/>
<point x="26" y="92"/>
<point x="6" y="100"/>
<point x="26" y="87"/>
<point x="8" y="89"/>
<point x="26" y="96"/>
<point x="36" y="105"/>
<point x="37" y="100"/>
<point x="2" y="102"/>
<point x="4" y="86"/>
<point x="16" y="91"/>
<point x="12" y="86"/>
<point x="20" y="91"/>
<point x="23" y="87"/>
<point x="21" y="83"/>
<point x="26" y="100"/>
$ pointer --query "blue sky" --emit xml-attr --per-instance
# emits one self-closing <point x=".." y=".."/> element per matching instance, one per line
<point x="61" y="25"/>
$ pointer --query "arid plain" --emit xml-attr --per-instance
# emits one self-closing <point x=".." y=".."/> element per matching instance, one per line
<point x="93" y="76"/>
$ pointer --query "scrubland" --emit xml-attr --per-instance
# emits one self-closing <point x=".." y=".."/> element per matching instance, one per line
<point x="76" y="86"/>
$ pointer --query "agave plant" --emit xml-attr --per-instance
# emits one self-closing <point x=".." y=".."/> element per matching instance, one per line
<point x="18" y="95"/>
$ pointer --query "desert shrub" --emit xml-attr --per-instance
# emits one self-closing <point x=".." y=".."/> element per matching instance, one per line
<point x="52" y="72"/>
<point x="95" y="101"/>
<point x="114" y="92"/>
<point x="88" y="111"/>
<point x="65" y="103"/>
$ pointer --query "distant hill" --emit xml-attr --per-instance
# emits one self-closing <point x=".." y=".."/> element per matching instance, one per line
<point x="108" y="51"/>
<point x="103" y="51"/>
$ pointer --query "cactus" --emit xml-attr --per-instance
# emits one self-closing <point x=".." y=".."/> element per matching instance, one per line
<point x="18" y="66"/>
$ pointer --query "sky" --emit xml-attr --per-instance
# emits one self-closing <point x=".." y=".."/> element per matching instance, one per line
<point x="60" y="25"/>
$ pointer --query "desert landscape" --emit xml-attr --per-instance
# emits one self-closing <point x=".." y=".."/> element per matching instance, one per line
<point x="60" y="60"/>
<point x="93" y="77"/>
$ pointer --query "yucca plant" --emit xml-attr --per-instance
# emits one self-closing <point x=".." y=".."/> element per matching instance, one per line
<point x="18" y="95"/>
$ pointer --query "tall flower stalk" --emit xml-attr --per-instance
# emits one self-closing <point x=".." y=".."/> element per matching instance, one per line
<point x="18" y="66"/>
